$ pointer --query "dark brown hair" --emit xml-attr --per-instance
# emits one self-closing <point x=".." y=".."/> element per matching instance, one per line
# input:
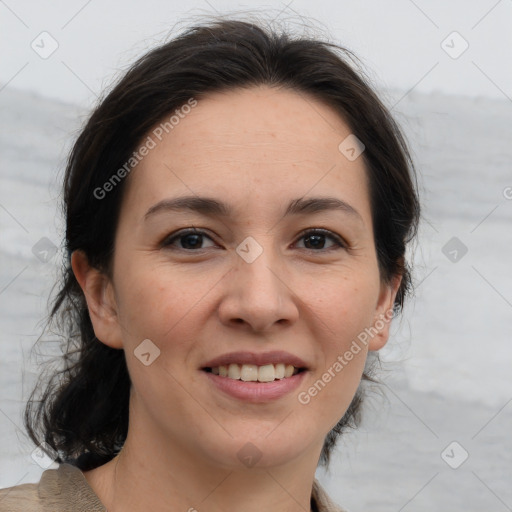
<point x="82" y="413"/>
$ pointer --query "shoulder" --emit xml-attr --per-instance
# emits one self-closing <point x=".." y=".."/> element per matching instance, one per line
<point x="321" y="502"/>
<point x="21" y="498"/>
<point x="56" y="491"/>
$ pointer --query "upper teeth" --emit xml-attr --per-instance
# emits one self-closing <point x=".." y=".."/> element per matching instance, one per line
<point x="252" y="372"/>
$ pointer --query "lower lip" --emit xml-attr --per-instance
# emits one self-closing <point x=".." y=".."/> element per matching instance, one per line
<point x="256" y="392"/>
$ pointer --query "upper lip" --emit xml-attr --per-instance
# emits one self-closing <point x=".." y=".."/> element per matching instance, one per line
<point x="259" y="359"/>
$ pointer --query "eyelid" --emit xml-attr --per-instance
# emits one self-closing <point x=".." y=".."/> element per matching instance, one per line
<point x="340" y="242"/>
<point x="168" y="239"/>
<point x="337" y="239"/>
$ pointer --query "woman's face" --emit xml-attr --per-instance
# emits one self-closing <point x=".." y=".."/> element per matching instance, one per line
<point x="254" y="279"/>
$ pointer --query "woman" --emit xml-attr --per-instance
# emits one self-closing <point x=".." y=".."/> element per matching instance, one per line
<point x="237" y="214"/>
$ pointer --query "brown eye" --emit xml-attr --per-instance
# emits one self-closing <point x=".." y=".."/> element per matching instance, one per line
<point x="315" y="240"/>
<point x="189" y="240"/>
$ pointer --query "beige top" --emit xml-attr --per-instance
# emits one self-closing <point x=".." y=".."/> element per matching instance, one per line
<point x="65" y="489"/>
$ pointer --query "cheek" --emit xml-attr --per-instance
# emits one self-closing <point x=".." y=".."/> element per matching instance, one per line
<point x="343" y="305"/>
<point x="343" y="309"/>
<point x="160" y="303"/>
<point x="162" y="307"/>
<point x="329" y="393"/>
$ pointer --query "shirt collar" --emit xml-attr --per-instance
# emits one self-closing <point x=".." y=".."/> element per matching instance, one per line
<point x="70" y="484"/>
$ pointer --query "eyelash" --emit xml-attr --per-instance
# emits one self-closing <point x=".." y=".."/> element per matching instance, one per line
<point x="309" y="232"/>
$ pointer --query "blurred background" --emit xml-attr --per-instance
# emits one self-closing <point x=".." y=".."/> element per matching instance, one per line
<point x="437" y="434"/>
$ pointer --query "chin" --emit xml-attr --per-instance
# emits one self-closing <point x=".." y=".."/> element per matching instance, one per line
<point x="257" y="451"/>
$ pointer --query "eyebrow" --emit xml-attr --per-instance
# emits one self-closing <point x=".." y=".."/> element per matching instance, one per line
<point x="212" y="207"/>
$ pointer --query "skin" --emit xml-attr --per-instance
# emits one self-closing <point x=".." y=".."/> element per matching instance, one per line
<point x="256" y="149"/>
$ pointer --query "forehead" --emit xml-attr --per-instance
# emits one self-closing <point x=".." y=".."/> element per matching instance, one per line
<point x="248" y="145"/>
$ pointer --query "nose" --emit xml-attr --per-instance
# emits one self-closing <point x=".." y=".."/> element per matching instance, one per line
<point x="258" y="295"/>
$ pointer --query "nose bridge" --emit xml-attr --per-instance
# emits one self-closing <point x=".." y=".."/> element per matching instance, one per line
<point x="258" y="269"/>
<point x="257" y="293"/>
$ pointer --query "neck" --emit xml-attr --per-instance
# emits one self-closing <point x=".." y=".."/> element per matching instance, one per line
<point x="151" y="474"/>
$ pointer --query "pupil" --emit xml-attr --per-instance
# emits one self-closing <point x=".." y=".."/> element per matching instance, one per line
<point x="315" y="240"/>
<point x="312" y="238"/>
<point x="186" y="238"/>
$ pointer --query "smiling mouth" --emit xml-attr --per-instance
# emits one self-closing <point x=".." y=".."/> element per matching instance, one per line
<point x="255" y="373"/>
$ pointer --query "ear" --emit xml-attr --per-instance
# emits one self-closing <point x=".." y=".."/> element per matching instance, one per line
<point x="384" y="313"/>
<point x="99" y="294"/>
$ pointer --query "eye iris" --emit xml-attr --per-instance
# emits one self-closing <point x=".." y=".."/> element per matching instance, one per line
<point x="197" y="239"/>
<point x="317" y="241"/>
<point x="194" y="240"/>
